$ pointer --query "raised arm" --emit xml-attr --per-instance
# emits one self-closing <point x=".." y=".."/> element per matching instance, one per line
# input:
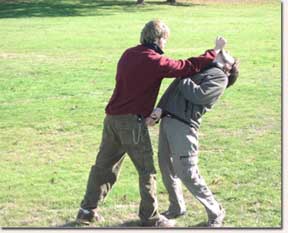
<point x="190" y="66"/>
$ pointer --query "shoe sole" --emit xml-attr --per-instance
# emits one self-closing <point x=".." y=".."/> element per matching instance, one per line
<point x="83" y="222"/>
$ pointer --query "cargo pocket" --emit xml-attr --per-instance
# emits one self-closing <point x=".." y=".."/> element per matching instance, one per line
<point x="189" y="168"/>
<point x="126" y="136"/>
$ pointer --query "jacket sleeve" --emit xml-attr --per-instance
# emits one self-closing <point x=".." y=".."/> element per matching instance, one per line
<point x="207" y="92"/>
<point x="185" y="68"/>
<point x="165" y="97"/>
<point x="201" y="62"/>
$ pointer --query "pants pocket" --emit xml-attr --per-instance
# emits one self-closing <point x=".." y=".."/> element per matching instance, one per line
<point x="126" y="136"/>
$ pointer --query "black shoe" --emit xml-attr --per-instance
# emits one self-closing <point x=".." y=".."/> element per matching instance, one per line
<point x="170" y="215"/>
<point x="87" y="216"/>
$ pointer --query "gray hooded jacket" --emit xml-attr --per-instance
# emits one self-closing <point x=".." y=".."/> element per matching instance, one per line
<point x="189" y="98"/>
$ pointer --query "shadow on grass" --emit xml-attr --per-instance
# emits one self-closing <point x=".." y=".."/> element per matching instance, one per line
<point x="71" y="224"/>
<point x="128" y="224"/>
<point x="200" y="225"/>
<point x="178" y="4"/>
<point x="58" y="8"/>
<point x="136" y="224"/>
<point x="74" y="224"/>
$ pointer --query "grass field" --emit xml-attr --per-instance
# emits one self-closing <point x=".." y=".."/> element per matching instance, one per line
<point x="57" y="70"/>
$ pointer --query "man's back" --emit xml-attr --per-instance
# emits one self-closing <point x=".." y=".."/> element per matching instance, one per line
<point x="190" y="98"/>
<point x="137" y="82"/>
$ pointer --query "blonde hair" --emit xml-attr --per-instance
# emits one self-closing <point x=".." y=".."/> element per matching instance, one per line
<point x="153" y="30"/>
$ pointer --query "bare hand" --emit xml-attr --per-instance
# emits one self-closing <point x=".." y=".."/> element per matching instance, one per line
<point x="156" y="114"/>
<point x="154" y="117"/>
<point x="220" y="43"/>
<point x="150" y="121"/>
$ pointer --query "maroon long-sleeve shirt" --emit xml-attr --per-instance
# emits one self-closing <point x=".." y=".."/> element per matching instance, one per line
<point x="140" y="71"/>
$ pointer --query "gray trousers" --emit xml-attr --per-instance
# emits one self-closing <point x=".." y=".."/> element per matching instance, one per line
<point x="178" y="161"/>
<point x="124" y="134"/>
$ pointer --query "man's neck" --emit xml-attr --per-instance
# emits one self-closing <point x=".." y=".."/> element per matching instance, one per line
<point x="155" y="47"/>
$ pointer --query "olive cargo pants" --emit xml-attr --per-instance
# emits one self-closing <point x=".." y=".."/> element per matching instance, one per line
<point x="124" y="134"/>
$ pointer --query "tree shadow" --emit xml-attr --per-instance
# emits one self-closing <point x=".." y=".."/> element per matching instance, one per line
<point x="177" y="4"/>
<point x="58" y="8"/>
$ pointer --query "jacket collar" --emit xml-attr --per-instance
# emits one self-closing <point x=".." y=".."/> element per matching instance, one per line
<point x="214" y="64"/>
<point x="155" y="47"/>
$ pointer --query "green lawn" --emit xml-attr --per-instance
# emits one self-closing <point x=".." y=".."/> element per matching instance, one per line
<point x="57" y="70"/>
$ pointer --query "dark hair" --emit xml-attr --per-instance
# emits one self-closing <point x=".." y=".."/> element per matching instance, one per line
<point x="234" y="73"/>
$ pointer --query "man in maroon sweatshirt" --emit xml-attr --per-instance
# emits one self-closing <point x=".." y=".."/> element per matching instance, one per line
<point x="139" y="74"/>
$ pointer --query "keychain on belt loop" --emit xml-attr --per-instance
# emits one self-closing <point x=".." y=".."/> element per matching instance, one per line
<point x="139" y="120"/>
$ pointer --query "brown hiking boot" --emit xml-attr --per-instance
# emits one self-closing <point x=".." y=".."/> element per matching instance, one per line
<point x="87" y="216"/>
<point x="162" y="222"/>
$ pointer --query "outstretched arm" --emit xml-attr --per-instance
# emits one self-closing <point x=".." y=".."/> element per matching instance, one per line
<point x="191" y="66"/>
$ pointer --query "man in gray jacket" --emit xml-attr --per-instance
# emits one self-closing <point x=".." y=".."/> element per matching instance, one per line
<point x="181" y="108"/>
